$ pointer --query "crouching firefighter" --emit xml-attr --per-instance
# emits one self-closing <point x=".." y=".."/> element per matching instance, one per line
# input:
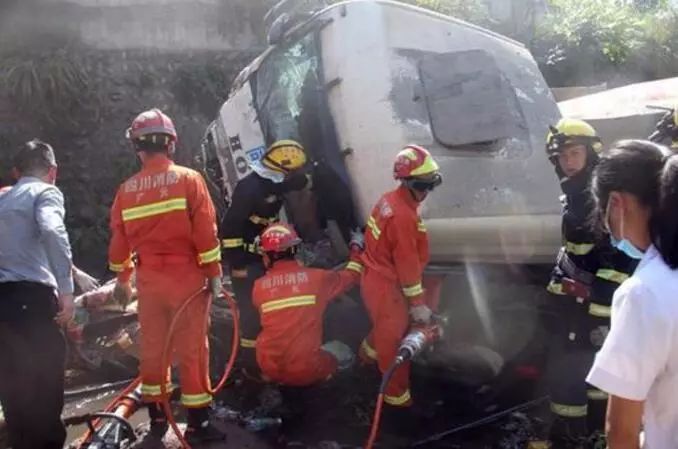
<point x="291" y="300"/>
<point x="588" y="270"/>
<point x="393" y="286"/>
<point x="255" y="204"/>
<point x="164" y="215"/>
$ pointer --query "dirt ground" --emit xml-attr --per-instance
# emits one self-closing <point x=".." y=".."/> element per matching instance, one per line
<point x="338" y="415"/>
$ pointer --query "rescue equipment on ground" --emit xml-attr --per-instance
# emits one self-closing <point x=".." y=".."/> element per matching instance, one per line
<point x="414" y="342"/>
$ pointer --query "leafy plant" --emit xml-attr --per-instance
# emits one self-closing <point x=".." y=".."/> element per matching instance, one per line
<point x="51" y="85"/>
<point x="592" y="41"/>
<point x="202" y="87"/>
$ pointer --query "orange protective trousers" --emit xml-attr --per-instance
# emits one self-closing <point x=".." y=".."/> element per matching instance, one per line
<point x="162" y="290"/>
<point x="389" y="312"/>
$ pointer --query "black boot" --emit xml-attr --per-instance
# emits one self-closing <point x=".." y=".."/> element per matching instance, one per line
<point x="569" y="433"/>
<point x="200" y="429"/>
<point x="158" y="420"/>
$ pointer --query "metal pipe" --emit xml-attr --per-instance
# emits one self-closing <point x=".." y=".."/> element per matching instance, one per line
<point x="74" y="394"/>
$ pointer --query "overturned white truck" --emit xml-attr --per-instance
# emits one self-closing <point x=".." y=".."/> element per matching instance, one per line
<point x="356" y="81"/>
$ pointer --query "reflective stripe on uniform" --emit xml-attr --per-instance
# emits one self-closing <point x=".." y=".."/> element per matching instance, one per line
<point x="578" y="249"/>
<point x="413" y="290"/>
<point x="196" y="400"/>
<point x="599" y="310"/>
<point x="251" y="248"/>
<point x="569" y="411"/>
<point x="354" y="266"/>
<point x="285" y="303"/>
<point x="240" y="274"/>
<point x="612" y="275"/>
<point x="232" y="243"/>
<point x="213" y="255"/>
<point x="596" y="395"/>
<point x="421" y="227"/>
<point x="398" y="400"/>
<point x="150" y="210"/>
<point x="154" y="389"/>
<point x="120" y="267"/>
<point x="256" y="219"/>
<point x="555" y="287"/>
<point x="368" y="350"/>
<point x="372" y="224"/>
<point x="247" y="343"/>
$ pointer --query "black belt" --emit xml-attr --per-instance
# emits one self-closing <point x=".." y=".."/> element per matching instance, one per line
<point x="572" y="270"/>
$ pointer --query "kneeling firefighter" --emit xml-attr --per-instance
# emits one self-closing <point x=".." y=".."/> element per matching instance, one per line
<point x="588" y="270"/>
<point x="291" y="300"/>
<point x="393" y="286"/>
<point x="165" y="217"/>
<point x="255" y="204"/>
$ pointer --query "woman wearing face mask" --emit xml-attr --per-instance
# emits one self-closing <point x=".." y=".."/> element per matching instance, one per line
<point x="635" y="186"/>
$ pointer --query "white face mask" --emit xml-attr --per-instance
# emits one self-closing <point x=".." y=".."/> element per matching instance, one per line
<point x="267" y="173"/>
<point x="622" y="244"/>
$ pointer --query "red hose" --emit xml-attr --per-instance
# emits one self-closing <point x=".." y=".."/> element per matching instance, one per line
<point x="204" y="361"/>
<point x="235" y="344"/>
<point x="204" y="366"/>
<point x="376" y="419"/>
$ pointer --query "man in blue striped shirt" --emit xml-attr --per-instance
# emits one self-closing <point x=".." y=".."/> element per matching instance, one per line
<point x="36" y="297"/>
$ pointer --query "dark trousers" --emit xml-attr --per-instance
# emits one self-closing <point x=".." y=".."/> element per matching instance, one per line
<point x="250" y="324"/>
<point x="578" y="409"/>
<point x="32" y="351"/>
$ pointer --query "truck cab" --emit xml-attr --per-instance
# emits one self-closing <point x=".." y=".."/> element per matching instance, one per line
<point x="359" y="80"/>
<point x="354" y="83"/>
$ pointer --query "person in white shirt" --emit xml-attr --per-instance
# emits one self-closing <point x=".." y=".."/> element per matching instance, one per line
<point x="635" y="186"/>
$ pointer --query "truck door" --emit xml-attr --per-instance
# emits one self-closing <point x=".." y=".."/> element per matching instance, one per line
<point x="290" y="98"/>
<point x="243" y="140"/>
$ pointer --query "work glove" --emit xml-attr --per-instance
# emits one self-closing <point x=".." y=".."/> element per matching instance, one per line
<point x="341" y="352"/>
<point x="66" y="309"/>
<point x="215" y="286"/>
<point x="122" y="293"/>
<point x="357" y="242"/>
<point x="85" y="282"/>
<point x="421" y="314"/>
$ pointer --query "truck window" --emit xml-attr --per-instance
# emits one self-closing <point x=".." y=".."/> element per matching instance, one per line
<point x="281" y="85"/>
<point x="471" y="105"/>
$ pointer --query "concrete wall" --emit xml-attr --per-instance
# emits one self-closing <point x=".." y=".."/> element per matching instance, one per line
<point x="173" y="25"/>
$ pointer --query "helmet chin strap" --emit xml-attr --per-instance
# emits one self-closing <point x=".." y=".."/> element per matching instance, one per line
<point x="276" y="165"/>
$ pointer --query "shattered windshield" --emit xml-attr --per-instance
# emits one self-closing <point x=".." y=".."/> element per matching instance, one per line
<point x="280" y="87"/>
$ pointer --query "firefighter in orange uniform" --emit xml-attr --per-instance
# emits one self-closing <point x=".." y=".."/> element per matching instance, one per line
<point x="291" y="300"/>
<point x="396" y="252"/>
<point x="164" y="216"/>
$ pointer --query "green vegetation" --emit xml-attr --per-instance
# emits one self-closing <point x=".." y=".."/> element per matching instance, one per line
<point x="586" y="41"/>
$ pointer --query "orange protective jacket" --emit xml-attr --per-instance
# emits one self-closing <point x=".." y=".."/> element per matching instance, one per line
<point x="164" y="211"/>
<point x="396" y="243"/>
<point x="291" y="300"/>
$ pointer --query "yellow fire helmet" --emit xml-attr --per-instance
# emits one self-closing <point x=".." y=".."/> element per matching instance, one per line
<point x="284" y="156"/>
<point x="571" y="131"/>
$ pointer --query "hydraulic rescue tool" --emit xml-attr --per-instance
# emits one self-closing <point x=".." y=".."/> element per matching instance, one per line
<point x="419" y="338"/>
<point x="111" y="429"/>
